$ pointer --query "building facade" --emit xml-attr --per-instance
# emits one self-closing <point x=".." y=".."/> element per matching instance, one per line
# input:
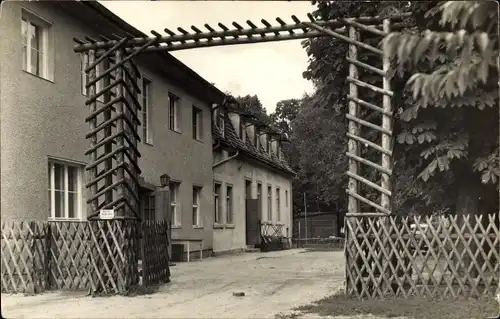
<point x="248" y="165"/>
<point x="42" y="120"/>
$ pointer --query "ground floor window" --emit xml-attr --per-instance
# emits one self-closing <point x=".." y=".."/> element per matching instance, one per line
<point x="229" y="204"/>
<point x="217" y="203"/>
<point x="148" y="207"/>
<point x="65" y="188"/>
<point x="174" y="204"/>
<point x="196" y="206"/>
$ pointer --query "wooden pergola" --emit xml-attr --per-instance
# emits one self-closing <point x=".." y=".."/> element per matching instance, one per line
<point x="113" y="155"/>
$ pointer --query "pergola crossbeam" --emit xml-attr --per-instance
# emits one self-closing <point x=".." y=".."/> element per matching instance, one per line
<point x="238" y="35"/>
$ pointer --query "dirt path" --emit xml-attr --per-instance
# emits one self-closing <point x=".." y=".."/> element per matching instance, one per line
<point x="273" y="283"/>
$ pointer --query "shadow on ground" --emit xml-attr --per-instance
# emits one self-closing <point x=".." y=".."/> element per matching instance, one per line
<point x="417" y="308"/>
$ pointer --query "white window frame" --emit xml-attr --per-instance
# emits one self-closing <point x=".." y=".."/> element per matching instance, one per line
<point x="43" y="49"/>
<point x="199" y="122"/>
<point x="196" y="205"/>
<point x="84" y="56"/>
<point x="229" y="204"/>
<point x="147" y="112"/>
<point x="217" y="203"/>
<point x="174" y="188"/>
<point x="172" y="97"/>
<point x="79" y="193"/>
<point x="219" y="119"/>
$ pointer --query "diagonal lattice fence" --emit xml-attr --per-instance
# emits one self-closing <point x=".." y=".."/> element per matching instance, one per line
<point x="100" y="256"/>
<point x="424" y="256"/>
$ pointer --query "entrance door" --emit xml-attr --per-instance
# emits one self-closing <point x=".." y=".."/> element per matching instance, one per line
<point x="252" y="222"/>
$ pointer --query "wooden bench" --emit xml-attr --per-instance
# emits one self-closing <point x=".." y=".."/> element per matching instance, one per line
<point x="187" y="243"/>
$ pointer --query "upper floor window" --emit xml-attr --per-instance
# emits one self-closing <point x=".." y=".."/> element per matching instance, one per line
<point x="256" y="137"/>
<point x="174" y="112"/>
<point x="65" y="188"/>
<point x="243" y="131"/>
<point x="286" y="198"/>
<point x="197" y="123"/>
<point x="35" y="45"/>
<point x="268" y="144"/>
<point x="175" y="213"/>
<point x="219" y="118"/>
<point x="147" y="130"/>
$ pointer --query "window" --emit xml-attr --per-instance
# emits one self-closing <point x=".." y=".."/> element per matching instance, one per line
<point x="197" y="123"/>
<point x="217" y="203"/>
<point x="278" y="210"/>
<point x="65" y="190"/>
<point x="196" y="206"/>
<point x="243" y="131"/>
<point x="148" y="207"/>
<point x="269" y="203"/>
<point x="248" y="189"/>
<point x="175" y="213"/>
<point x="101" y="67"/>
<point x="174" y="112"/>
<point x="147" y="132"/>
<point x="35" y="45"/>
<point x="256" y="138"/>
<point x="268" y="144"/>
<point x="229" y="204"/>
<point x="286" y="198"/>
<point x="219" y="119"/>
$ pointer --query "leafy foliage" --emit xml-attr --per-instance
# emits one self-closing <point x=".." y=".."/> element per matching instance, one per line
<point x="449" y="111"/>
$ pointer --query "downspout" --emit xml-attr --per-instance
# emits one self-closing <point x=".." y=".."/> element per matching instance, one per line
<point x="226" y="159"/>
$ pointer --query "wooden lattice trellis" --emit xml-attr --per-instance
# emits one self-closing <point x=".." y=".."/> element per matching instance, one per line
<point x="452" y="256"/>
<point x="121" y="146"/>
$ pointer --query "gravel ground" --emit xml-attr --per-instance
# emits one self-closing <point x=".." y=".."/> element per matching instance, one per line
<point x="273" y="283"/>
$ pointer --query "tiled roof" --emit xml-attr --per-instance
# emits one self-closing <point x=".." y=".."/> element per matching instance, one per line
<point x="231" y="138"/>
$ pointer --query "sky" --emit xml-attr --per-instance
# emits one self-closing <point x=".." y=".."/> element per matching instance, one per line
<point x="271" y="70"/>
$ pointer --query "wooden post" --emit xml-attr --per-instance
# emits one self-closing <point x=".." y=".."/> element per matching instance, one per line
<point x="92" y="173"/>
<point x="387" y="144"/>
<point x="119" y="128"/>
<point x="353" y="148"/>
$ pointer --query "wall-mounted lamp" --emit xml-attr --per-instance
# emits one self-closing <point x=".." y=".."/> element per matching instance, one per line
<point x="164" y="180"/>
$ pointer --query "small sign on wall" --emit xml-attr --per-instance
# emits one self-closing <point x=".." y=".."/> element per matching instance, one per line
<point x="107" y="214"/>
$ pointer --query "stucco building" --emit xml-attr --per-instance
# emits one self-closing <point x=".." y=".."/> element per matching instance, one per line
<point x="43" y="115"/>
<point x="252" y="180"/>
<point x="43" y="128"/>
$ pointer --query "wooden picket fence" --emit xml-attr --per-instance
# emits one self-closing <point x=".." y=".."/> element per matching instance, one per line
<point x="445" y="256"/>
<point x="100" y="256"/>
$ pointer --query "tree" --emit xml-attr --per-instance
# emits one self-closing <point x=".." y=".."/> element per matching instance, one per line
<point x="285" y="113"/>
<point x="450" y="114"/>
<point x="252" y="104"/>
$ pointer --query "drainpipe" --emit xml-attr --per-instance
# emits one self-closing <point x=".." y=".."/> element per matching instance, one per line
<point x="226" y="160"/>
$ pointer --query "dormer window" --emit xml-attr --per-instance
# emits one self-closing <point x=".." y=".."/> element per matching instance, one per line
<point x="268" y="144"/>
<point x="256" y="139"/>
<point x="219" y="119"/>
<point x="242" y="131"/>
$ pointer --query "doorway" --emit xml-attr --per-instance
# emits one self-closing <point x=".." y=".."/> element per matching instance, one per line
<point x="252" y="216"/>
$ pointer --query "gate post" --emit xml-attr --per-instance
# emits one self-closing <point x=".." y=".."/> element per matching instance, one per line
<point x="352" y="148"/>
